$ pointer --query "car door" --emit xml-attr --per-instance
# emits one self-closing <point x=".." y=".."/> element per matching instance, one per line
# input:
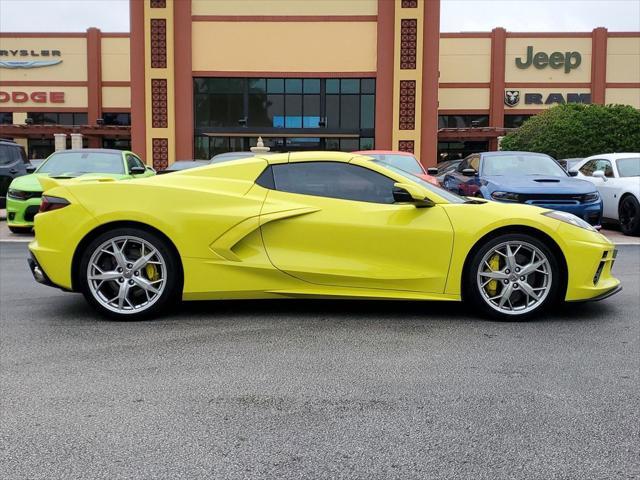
<point x="608" y="186"/>
<point x="12" y="165"/>
<point x="334" y="223"/>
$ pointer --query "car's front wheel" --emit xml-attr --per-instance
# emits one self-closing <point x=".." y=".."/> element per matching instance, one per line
<point x="512" y="277"/>
<point x="629" y="215"/>
<point x="129" y="273"/>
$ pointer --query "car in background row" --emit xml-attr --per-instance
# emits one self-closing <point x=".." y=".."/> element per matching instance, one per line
<point x="25" y="193"/>
<point x="445" y="167"/>
<point x="569" y="163"/>
<point x="525" y="177"/>
<point x="13" y="163"/>
<point x="402" y="160"/>
<point x="617" y="178"/>
<point x="180" y="165"/>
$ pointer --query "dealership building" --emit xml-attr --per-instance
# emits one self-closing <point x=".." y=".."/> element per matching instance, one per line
<point x="195" y="78"/>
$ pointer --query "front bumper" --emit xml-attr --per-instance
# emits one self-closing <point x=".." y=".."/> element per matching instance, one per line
<point x="590" y="257"/>
<point x="589" y="212"/>
<point x="20" y="213"/>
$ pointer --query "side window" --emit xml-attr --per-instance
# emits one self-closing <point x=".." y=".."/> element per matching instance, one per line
<point x="463" y="164"/>
<point x="333" y="180"/>
<point x="6" y="158"/>
<point x="474" y="162"/>
<point x="597" y="164"/>
<point x="588" y="168"/>
<point x="133" y="161"/>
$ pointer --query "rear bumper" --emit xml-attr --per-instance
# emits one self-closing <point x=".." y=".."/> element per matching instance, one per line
<point x="38" y="272"/>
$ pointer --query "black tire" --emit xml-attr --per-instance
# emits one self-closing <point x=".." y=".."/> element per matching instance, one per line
<point x="20" y="230"/>
<point x="472" y="290"/>
<point x="629" y="215"/>
<point x="173" y="283"/>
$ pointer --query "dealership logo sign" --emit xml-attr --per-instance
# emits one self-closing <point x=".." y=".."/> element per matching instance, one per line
<point x="35" y="97"/>
<point x="556" y="60"/>
<point x="8" y="58"/>
<point x="512" y="98"/>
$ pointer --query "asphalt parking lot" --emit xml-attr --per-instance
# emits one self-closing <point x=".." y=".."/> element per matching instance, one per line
<point x="313" y="389"/>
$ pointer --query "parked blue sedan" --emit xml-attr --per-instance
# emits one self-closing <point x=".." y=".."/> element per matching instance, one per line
<point x="524" y="177"/>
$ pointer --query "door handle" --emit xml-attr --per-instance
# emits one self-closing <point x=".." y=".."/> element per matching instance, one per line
<point x="13" y="170"/>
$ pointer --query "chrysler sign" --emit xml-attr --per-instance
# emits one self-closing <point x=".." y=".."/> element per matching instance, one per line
<point x="21" y="58"/>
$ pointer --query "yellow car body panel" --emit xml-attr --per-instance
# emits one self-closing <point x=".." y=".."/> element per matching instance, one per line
<point x="237" y="239"/>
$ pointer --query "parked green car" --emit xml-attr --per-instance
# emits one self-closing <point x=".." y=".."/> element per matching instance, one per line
<point x="24" y="194"/>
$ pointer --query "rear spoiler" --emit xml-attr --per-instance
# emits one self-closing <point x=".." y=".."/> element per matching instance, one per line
<point x="48" y="183"/>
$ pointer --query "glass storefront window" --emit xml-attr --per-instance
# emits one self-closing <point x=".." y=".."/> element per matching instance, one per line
<point x="515" y="121"/>
<point x="267" y="106"/>
<point x="6" y="118"/>
<point x="463" y="121"/>
<point x="55" y="118"/>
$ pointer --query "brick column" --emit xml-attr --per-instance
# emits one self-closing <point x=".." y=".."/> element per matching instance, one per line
<point x="496" y="94"/>
<point x="94" y="81"/>
<point x="384" y="76"/>
<point x="430" y="78"/>
<point x="137" y="62"/>
<point x="183" y="80"/>
<point x="598" y="65"/>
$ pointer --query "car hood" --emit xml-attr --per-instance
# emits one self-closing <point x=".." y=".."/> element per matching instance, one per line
<point x="30" y="183"/>
<point x="538" y="184"/>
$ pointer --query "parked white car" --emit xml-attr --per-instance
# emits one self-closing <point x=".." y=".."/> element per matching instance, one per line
<point x="617" y="177"/>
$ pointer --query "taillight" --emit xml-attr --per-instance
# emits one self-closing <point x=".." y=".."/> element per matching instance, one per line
<point x="52" y="203"/>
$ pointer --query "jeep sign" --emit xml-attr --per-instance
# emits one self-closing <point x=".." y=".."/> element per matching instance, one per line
<point x="540" y="60"/>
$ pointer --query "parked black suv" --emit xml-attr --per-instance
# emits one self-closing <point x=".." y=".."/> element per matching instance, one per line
<point x="13" y="163"/>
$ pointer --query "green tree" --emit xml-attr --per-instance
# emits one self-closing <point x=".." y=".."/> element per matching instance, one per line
<point x="577" y="130"/>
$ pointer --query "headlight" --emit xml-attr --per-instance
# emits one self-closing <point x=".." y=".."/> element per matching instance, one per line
<point x="591" y="197"/>
<point x="569" y="218"/>
<point x="18" y="194"/>
<point x="505" y="196"/>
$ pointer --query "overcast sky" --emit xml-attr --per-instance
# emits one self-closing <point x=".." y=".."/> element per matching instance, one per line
<point x="456" y="15"/>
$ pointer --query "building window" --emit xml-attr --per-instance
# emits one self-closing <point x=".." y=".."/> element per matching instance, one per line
<point x="116" y="143"/>
<point x="56" y="118"/>
<point x="515" y="121"/>
<point x="116" y="118"/>
<point x="6" y="118"/>
<point x="463" y="121"/>
<point x="274" y="106"/>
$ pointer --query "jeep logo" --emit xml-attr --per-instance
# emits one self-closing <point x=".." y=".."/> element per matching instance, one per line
<point x="568" y="60"/>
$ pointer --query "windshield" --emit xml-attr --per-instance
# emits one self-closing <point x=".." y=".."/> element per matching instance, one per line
<point x="77" y="163"/>
<point x="521" y="164"/>
<point x="629" y="167"/>
<point x="403" y="162"/>
<point x="450" y="197"/>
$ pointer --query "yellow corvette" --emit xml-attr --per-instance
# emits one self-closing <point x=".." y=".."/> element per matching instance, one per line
<point x="311" y="224"/>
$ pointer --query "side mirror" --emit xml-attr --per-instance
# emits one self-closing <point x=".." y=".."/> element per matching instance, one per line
<point x="408" y="193"/>
<point x="469" y="172"/>
<point x="149" y="168"/>
<point x="433" y="171"/>
<point x="30" y="168"/>
<point x="599" y="174"/>
<point x="573" y="173"/>
<point x="137" y="170"/>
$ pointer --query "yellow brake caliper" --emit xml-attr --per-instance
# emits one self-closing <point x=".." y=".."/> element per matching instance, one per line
<point x="152" y="272"/>
<point x="494" y="263"/>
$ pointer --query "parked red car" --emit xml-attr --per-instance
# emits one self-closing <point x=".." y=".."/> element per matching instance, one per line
<point x="402" y="160"/>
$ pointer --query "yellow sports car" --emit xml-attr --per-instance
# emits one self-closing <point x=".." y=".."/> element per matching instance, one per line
<point x="309" y="224"/>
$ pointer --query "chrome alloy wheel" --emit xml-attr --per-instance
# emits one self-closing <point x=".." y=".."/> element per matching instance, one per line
<point x="514" y="277"/>
<point x="126" y="274"/>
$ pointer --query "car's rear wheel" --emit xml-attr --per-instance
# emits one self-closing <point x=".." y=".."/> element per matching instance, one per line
<point x="512" y="277"/>
<point x="129" y="273"/>
<point x="20" y="230"/>
<point x="629" y="215"/>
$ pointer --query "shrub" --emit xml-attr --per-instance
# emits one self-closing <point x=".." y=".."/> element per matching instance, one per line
<point x="577" y="130"/>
